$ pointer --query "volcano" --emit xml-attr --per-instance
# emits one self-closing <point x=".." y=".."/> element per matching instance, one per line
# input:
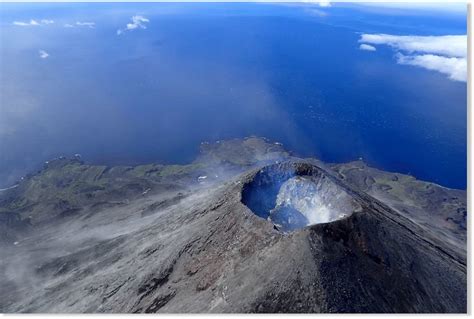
<point x="264" y="231"/>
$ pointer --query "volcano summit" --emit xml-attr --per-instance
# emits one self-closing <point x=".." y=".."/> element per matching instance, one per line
<point x="296" y="195"/>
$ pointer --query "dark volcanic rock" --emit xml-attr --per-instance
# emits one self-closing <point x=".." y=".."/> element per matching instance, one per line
<point x="157" y="238"/>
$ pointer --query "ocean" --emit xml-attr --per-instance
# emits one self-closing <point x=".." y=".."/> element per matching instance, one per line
<point x="208" y="72"/>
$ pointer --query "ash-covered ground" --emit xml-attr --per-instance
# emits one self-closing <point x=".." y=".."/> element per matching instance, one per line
<point x="246" y="227"/>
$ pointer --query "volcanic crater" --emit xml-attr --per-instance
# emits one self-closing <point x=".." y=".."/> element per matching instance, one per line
<point x="295" y="195"/>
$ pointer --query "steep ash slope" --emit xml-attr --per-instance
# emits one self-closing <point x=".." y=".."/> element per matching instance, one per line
<point x="438" y="210"/>
<point x="183" y="239"/>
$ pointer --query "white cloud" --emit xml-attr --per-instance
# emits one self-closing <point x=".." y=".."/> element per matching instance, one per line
<point x="85" y="24"/>
<point x="446" y="54"/>
<point x="20" y="23"/>
<point x="324" y="3"/>
<point x="449" y="45"/>
<point x="321" y="3"/>
<point x="138" y="22"/>
<point x="80" y="24"/>
<point x="43" y="54"/>
<point x="367" y="47"/>
<point x="46" y="21"/>
<point x="24" y="24"/>
<point x="33" y="22"/>
<point x="455" y="68"/>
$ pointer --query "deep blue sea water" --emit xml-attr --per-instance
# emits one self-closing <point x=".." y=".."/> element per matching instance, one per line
<point x="206" y="72"/>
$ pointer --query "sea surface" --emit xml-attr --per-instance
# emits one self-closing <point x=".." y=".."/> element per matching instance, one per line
<point x="207" y="72"/>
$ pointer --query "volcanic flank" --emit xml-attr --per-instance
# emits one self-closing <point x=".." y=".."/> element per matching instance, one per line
<point x="247" y="227"/>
